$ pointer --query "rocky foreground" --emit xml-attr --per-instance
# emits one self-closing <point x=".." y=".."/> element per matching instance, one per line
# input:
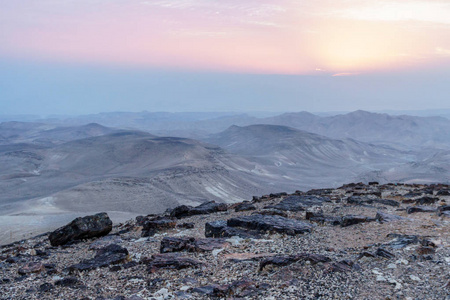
<point x="355" y="242"/>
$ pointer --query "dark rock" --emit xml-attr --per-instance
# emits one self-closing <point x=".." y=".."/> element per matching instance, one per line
<point x="270" y="223"/>
<point x="443" y="193"/>
<point x="112" y="254"/>
<point x="186" y="225"/>
<point x="5" y="280"/>
<point x="278" y="195"/>
<point x="156" y="224"/>
<point x="219" y="229"/>
<point x="82" y="228"/>
<point x="417" y="209"/>
<point x="32" y="267"/>
<point x="320" y="218"/>
<point x="72" y="282"/>
<point x="244" y="206"/>
<point x="401" y="241"/>
<point x="272" y="212"/>
<point x="358" y="200"/>
<point x="284" y="260"/>
<point x="175" y="244"/>
<point x="13" y="260"/>
<point x="385" y="217"/>
<point x="45" y="287"/>
<point x="202" y="209"/>
<point x="426" y="200"/>
<point x="384" y="253"/>
<point x="353" y="220"/>
<point x="298" y="203"/>
<point x="373" y="183"/>
<point x="171" y="261"/>
<point x="444" y="210"/>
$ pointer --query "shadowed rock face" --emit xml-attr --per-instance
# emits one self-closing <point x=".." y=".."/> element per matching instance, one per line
<point x="82" y="228"/>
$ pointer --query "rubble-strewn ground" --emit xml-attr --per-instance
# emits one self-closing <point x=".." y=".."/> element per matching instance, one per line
<point x="407" y="258"/>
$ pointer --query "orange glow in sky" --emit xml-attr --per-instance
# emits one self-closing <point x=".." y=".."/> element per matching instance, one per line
<point x="266" y="36"/>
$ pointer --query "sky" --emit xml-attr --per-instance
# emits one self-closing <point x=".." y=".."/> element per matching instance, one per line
<point x="88" y="56"/>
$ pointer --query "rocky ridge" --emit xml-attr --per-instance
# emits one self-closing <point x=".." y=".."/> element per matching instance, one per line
<point x="359" y="241"/>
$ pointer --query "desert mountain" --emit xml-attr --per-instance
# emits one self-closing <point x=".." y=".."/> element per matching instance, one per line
<point x="306" y="158"/>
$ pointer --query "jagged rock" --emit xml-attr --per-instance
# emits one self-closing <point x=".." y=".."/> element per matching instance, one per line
<point x="426" y="200"/>
<point x="110" y="255"/>
<point x="190" y="244"/>
<point x="401" y="240"/>
<point x="417" y="209"/>
<point x="270" y="223"/>
<point x="203" y="209"/>
<point x="444" y="210"/>
<point x="358" y="200"/>
<point x="32" y="267"/>
<point x="353" y="220"/>
<point x="284" y="260"/>
<point x="298" y="203"/>
<point x="443" y="193"/>
<point x="219" y="229"/>
<point x="156" y="224"/>
<point x="82" y="228"/>
<point x="175" y="244"/>
<point x="171" y="261"/>
<point x="244" y="206"/>
<point x="385" y="217"/>
<point x="384" y="253"/>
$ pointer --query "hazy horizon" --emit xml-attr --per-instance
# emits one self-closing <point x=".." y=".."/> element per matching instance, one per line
<point x="82" y="57"/>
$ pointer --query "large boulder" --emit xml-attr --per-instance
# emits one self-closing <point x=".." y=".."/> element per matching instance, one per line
<point x="82" y="228"/>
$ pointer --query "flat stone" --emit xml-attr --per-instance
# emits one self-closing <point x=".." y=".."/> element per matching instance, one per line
<point x="157" y="224"/>
<point x="298" y="203"/>
<point x="171" y="261"/>
<point x="284" y="260"/>
<point x="82" y="228"/>
<point x="426" y="200"/>
<point x="244" y="206"/>
<point x="420" y="209"/>
<point x="270" y="223"/>
<point x="190" y="244"/>
<point x="110" y="255"/>
<point x="219" y="229"/>
<point x="385" y="217"/>
<point x="203" y="209"/>
<point x="401" y="240"/>
<point x="353" y="220"/>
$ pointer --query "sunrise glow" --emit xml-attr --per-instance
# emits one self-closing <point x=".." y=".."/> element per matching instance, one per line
<point x="285" y="37"/>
